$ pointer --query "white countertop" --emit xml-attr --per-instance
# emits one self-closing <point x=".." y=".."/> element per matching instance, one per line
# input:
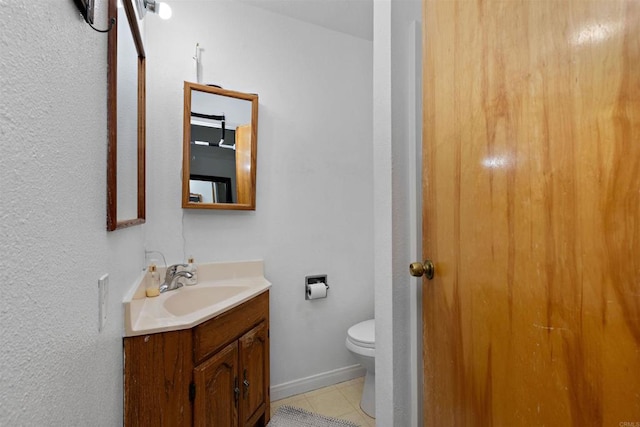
<point x="144" y="315"/>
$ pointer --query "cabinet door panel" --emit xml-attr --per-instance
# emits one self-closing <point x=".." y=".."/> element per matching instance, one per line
<point x="215" y="380"/>
<point x="254" y="363"/>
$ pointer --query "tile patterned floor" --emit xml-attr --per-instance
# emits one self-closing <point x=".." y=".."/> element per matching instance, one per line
<point x="340" y="401"/>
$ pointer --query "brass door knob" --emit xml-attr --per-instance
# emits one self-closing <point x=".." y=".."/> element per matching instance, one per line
<point x="419" y="269"/>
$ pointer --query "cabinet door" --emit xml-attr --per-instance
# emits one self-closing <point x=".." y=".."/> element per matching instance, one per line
<point x="216" y="379"/>
<point x="254" y="364"/>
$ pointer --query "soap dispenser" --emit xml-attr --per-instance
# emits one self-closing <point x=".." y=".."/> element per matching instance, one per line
<point x="193" y="269"/>
<point x="153" y="282"/>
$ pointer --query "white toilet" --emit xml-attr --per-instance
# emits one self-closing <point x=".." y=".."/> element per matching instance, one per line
<point x="361" y="341"/>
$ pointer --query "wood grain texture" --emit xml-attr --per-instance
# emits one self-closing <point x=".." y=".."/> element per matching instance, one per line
<point x="142" y="139"/>
<point x="157" y="373"/>
<point x="215" y="380"/>
<point x="253" y="351"/>
<point x="244" y="187"/>
<point x="248" y="155"/>
<point x="112" y="118"/>
<point x="186" y="144"/>
<point x="231" y="347"/>
<point x="113" y="222"/>
<point x="212" y="335"/>
<point x="532" y="196"/>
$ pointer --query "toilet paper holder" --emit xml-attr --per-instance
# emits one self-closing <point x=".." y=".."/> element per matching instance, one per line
<point x="312" y="280"/>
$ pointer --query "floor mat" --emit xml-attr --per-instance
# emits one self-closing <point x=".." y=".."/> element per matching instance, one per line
<point x="290" y="416"/>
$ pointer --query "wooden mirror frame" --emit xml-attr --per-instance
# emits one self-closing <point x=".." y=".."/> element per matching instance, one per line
<point x="113" y="222"/>
<point x="245" y="158"/>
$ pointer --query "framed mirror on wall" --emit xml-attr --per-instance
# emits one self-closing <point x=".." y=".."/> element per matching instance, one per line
<point x="219" y="148"/>
<point x="126" y="119"/>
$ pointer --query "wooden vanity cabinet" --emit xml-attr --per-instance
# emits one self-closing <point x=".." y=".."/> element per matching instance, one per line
<point x="214" y="375"/>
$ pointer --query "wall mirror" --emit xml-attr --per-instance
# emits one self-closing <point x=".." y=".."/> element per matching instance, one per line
<point x="126" y="119"/>
<point x="219" y="148"/>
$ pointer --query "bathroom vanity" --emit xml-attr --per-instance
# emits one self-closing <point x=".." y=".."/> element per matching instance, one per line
<point x="212" y="372"/>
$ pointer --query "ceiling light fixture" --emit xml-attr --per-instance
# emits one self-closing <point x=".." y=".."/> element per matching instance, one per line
<point x="220" y="118"/>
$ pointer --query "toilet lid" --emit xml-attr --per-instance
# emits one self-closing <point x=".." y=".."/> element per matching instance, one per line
<point x="363" y="334"/>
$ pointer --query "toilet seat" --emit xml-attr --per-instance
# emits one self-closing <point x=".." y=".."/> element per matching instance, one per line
<point x="363" y="334"/>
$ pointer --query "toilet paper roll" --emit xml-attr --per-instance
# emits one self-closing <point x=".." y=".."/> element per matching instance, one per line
<point x="316" y="290"/>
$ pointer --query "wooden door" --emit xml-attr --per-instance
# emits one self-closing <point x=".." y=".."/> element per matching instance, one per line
<point x="254" y="366"/>
<point x="244" y="152"/>
<point x="532" y="212"/>
<point x="216" y="381"/>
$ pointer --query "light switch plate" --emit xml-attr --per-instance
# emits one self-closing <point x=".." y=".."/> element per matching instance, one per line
<point x="103" y="297"/>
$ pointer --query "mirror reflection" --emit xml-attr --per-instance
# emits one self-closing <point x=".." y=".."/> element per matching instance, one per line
<point x="220" y="139"/>
<point x="126" y="118"/>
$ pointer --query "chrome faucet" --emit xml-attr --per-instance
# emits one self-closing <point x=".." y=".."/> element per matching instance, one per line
<point x="172" y="275"/>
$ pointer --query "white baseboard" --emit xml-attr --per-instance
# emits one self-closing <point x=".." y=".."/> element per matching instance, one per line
<point x="323" y="379"/>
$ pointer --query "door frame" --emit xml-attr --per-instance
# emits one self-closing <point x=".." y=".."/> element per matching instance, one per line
<point x="397" y="348"/>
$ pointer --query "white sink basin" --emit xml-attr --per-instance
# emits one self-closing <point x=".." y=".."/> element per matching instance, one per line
<point x="221" y="287"/>
<point x="188" y="300"/>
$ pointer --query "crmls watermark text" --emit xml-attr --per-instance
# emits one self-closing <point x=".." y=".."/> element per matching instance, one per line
<point x="629" y="424"/>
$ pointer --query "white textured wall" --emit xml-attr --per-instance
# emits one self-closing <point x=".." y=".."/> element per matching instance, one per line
<point x="56" y="369"/>
<point x="314" y="175"/>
